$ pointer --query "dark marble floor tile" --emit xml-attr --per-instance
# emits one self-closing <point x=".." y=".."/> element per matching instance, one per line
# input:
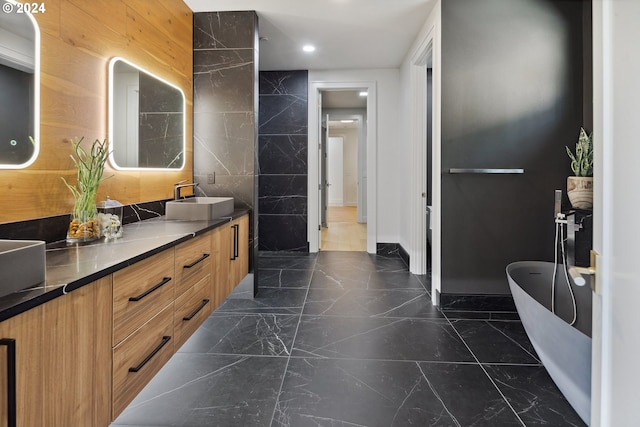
<point x="497" y="341"/>
<point x="395" y="280"/>
<point x="292" y="262"/>
<point x="353" y="278"/>
<point x="341" y="279"/>
<point x="195" y="390"/>
<point x="280" y="278"/>
<point x="321" y="392"/>
<point x="268" y="300"/>
<point x="256" y="334"/>
<point x="370" y="303"/>
<point x="534" y="396"/>
<point x="379" y="338"/>
<point x="340" y="261"/>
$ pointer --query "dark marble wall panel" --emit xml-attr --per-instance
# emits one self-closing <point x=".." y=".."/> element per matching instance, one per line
<point x="221" y="79"/>
<point x="282" y="194"/>
<point x="283" y="83"/>
<point x="224" y="30"/>
<point x="282" y="152"/>
<point x="283" y="233"/>
<point x="283" y="114"/>
<point x="225" y="92"/>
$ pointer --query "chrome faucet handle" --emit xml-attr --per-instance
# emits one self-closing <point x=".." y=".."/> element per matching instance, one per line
<point x="180" y="185"/>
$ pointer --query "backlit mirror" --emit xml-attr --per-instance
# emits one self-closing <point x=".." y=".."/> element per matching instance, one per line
<point x="19" y="86"/>
<point x="146" y="119"/>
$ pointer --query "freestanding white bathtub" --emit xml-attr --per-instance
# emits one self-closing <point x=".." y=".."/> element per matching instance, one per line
<point x="565" y="350"/>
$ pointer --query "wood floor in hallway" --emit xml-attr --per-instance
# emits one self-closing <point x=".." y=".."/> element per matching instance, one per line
<point x="344" y="233"/>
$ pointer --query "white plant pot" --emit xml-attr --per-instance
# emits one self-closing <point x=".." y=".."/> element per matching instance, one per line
<point x="580" y="191"/>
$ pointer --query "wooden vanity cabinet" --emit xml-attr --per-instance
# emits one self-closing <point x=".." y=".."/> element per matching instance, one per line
<point x="230" y="245"/>
<point x="24" y="333"/>
<point x="143" y="296"/>
<point x="194" y="299"/>
<point x="220" y="238"/>
<point x="63" y="355"/>
<point x="83" y="357"/>
<point x="77" y="357"/>
<point x="239" y="259"/>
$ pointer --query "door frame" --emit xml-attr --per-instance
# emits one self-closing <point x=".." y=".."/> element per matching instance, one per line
<point x="313" y="183"/>
<point x="427" y="49"/>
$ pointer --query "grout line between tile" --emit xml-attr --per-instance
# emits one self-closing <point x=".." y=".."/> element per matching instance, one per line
<point x="293" y="342"/>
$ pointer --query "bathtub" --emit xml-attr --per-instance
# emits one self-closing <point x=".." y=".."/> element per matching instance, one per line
<point x="565" y="350"/>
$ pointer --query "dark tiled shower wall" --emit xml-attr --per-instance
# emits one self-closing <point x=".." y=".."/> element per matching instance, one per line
<point x="282" y="154"/>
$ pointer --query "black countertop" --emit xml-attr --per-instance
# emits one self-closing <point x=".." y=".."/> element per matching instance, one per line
<point x="71" y="266"/>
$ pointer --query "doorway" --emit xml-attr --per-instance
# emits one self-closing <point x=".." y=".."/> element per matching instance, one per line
<point x="344" y="225"/>
<point x="327" y="108"/>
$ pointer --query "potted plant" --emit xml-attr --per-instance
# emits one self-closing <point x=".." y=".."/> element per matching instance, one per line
<point x="580" y="186"/>
<point x="84" y="225"/>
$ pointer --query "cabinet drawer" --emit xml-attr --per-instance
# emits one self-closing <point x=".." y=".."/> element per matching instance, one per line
<point x="139" y="357"/>
<point x="193" y="262"/>
<point x="191" y="309"/>
<point x="140" y="291"/>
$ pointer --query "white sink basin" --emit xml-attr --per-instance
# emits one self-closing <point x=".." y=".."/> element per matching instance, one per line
<point x="22" y="265"/>
<point x="199" y="208"/>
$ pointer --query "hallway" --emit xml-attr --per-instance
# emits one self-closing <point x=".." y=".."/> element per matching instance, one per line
<point x="350" y="339"/>
<point x="343" y="232"/>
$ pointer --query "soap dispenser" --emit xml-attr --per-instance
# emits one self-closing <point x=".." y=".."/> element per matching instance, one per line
<point x="110" y="218"/>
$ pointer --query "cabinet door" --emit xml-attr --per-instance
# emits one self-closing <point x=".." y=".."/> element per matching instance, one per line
<point x="192" y="262"/>
<point x="77" y="366"/>
<point x="140" y="291"/>
<point x="220" y="247"/>
<point x="27" y="331"/>
<point x="240" y="251"/>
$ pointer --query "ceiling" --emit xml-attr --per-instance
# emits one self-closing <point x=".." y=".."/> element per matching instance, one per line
<point x="347" y="34"/>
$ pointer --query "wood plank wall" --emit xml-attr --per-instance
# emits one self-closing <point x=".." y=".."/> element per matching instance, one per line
<point x="78" y="38"/>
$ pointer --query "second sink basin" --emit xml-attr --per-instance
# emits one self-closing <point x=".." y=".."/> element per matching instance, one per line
<point x="199" y="208"/>
<point x="22" y="265"/>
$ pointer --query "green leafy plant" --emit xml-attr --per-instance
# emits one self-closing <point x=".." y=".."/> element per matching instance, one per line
<point x="582" y="160"/>
<point x="90" y="166"/>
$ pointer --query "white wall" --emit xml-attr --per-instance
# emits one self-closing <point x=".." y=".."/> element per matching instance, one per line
<point x="616" y="374"/>
<point x="389" y="147"/>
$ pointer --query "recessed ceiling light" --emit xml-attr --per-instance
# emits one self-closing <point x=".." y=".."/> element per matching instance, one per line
<point x="346" y="121"/>
<point x="363" y="93"/>
<point x="308" y="48"/>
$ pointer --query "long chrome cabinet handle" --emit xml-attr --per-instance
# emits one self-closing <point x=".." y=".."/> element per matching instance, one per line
<point x="485" y="171"/>
<point x="197" y="310"/>
<point x="148" y="291"/>
<point x="236" y="233"/>
<point x="202" y="258"/>
<point x="165" y="340"/>
<point x="12" y="417"/>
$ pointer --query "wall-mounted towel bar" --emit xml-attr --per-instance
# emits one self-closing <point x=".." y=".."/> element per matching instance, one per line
<point x="485" y="171"/>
